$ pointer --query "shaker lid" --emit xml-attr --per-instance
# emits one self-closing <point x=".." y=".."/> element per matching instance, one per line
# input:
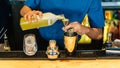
<point x="52" y="43"/>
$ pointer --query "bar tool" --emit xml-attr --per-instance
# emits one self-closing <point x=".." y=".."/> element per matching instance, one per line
<point x="70" y="38"/>
<point x="52" y="50"/>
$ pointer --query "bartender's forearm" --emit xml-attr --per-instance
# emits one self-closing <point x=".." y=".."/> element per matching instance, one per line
<point x="94" y="33"/>
<point x="25" y="10"/>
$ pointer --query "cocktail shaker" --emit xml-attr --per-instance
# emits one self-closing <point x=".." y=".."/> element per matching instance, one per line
<point x="70" y="42"/>
<point x="52" y="50"/>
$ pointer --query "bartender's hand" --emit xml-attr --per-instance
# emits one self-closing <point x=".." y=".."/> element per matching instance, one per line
<point x="30" y="14"/>
<point x="94" y="33"/>
<point x="77" y="27"/>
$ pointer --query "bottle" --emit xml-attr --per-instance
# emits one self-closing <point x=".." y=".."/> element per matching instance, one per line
<point x="108" y="43"/>
<point x="6" y="44"/>
<point x="114" y="30"/>
<point x="52" y="50"/>
<point x="106" y="30"/>
<point x="48" y="19"/>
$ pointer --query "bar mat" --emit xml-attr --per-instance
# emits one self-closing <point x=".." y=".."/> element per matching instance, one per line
<point x="79" y="54"/>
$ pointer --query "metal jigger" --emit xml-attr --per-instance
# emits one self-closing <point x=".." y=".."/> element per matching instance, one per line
<point x="52" y="50"/>
<point x="70" y="39"/>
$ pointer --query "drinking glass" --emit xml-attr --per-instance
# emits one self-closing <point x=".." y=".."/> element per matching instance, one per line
<point x="29" y="44"/>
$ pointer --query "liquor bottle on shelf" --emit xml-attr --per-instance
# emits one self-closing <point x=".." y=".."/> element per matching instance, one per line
<point x="111" y="24"/>
<point x="115" y="25"/>
<point x="6" y="44"/>
<point x="108" y="19"/>
<point x="106" y="30"/>
<point x="108" y="43"/>
<point x="114" y="30"/>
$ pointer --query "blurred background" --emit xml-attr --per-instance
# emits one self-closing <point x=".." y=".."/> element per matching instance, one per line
<point x="10" y="19"/>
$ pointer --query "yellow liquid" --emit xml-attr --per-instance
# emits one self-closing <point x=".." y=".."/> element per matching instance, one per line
<point x="25" y="25"/>
<point x="47" y="20"/>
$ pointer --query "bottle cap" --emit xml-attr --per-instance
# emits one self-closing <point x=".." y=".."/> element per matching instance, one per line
<point x="52" y="43"/>
<point x="109" y="34"/>
<point x="5" y="36"/>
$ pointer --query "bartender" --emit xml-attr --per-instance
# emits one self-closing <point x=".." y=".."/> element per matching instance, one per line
<point x="74" y="10"/>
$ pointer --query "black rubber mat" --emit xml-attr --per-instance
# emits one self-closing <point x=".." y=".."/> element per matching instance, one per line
<point x="79" y="54"/>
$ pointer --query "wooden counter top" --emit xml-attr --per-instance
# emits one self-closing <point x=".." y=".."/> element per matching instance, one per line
<point x="60" y="64"/>
<point x="94" y="63"/>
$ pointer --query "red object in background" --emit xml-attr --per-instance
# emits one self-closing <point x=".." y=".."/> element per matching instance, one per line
<point x="108" y="14"/>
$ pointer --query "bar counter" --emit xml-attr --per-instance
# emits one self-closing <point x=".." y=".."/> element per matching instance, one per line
<point x="18" y="59"/>
<point x="60" y="63"/>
